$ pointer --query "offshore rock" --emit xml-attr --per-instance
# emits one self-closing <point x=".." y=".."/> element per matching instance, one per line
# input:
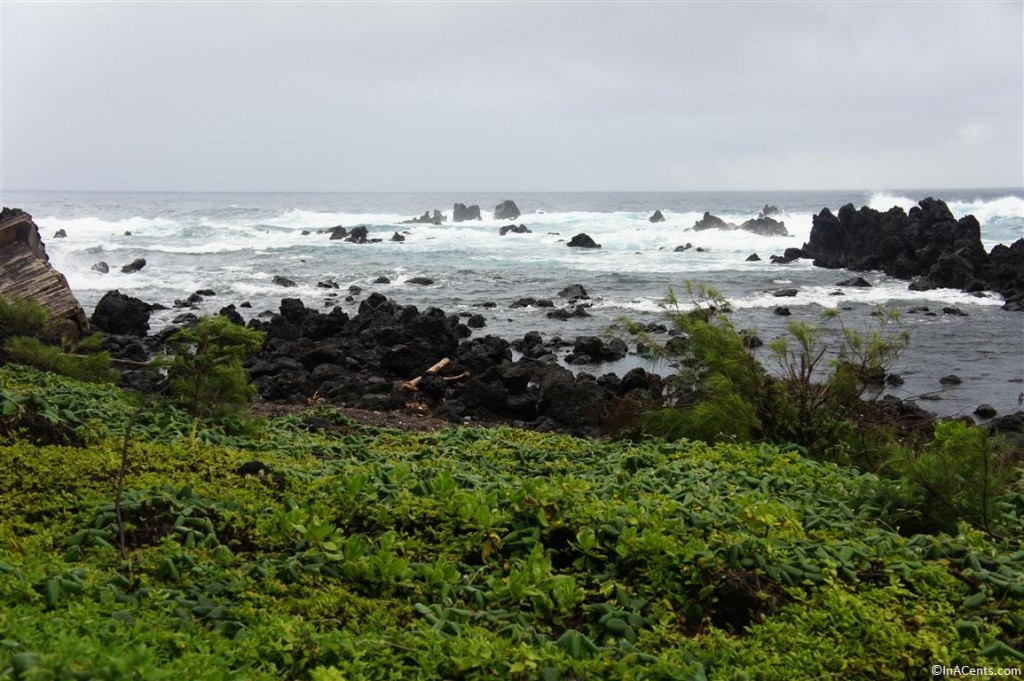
<point x="25" y="272"/>
<point x="506" y="210"/>
<point x="134" y="266"/>
<point x="927" y="245"/>
<point x="765" y="226"/>
<point x="460" y="213"/>
<point x="583" y="241"/>
<point x="521" y="229"/>
<point x="428" y="218"/>
<point x="710" y="221"/>
<point x="657" y="217"/>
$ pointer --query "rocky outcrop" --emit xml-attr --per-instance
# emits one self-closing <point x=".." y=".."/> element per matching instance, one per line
<point x="513" y="229"/>
<point x="124" y="315"/>
<point x="460" y="213"/>
<point x="927" y="245"/>
<point x="710" y="221"/>
<point x="134" y="266"/>
<point x="762" y="224"/>
<point x="428" y="218"/>
<point x="765" y="226"/>
<point x="26" y="273"/>
<point x="583" y="241"/>
<point x="657" y="217"/>
<point x="506" y="210"/>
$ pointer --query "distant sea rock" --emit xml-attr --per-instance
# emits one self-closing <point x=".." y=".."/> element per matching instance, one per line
<point x="514" y="229"/>
<point x="657" y="217"/>
<point x="762" y="224"/>
<point x="583" y="241"/>
<point x="765" y="226"/>
<point x="460" y="213"/>
<point x="710" y="221"/>
<point x="506" y="210"/>
<point x="134" y="266"/>
<point x="428" y="218"/>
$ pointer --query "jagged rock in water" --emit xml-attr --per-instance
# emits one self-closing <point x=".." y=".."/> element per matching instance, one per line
<point x="657" y="217"/>
<point x="583" y="241"/>
<point x="461" y="213"/>
<point x="506" y="210"/>
<point x="134" y="266"/>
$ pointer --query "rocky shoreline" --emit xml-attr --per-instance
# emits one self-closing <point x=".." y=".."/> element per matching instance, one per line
<point x="394" y="357"/>
<point x="389" y="357"/>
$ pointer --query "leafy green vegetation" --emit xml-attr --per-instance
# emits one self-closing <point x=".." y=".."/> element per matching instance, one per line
<point x="206" y="373"/>
<point x="309" y="547"/>
<point x="27" y="337"/>
<point x="812" y="399"/>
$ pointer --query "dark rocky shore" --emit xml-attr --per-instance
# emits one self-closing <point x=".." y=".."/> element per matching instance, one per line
<point x="393" y="357"/>
<point x="927" y="246"/>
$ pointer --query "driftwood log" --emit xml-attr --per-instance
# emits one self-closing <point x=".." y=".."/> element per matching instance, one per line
<point x="413" y="384"/>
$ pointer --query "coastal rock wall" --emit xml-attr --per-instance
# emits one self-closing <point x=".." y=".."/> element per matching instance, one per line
<point x="928" y="245"/>
<point x="25" y="272"/>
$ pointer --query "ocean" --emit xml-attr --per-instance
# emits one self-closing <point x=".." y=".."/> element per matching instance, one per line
<point x="237" y="243"/>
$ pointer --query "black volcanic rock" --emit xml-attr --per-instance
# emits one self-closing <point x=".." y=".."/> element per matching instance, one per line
<point x="710" y="221"/>
<point x="460" y="213"/>
<point x="338" y="232"/>
<point x="753" y="257"/>
<point x="927" y="245"/>
<point x="119" y="314"/>
<point x="514" y="229"/>
<point x="506" y="210"/>
<point x="428" y="218"/>
<point x="573" y="292"/>
<point x="765" y="226"/>
<point x="583" y="241"/>
<point x="134" y="266"/>
<point x="358" y="235"/>
<point x="854" y="281"/>
<point x="657" y="217"/>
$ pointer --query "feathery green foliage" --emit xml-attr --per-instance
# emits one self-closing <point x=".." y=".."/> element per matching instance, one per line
<point x="723" y="393"/>
<point x="206" y="375"/>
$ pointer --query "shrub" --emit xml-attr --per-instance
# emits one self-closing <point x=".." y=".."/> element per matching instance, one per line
<point x="206" y="375"/>
<point x="721" y="391"/>
<point x="959" y="475"/>
<point x="21" y="317"/>
<point x="27" y="337"/>
<point x="94" y="368"/>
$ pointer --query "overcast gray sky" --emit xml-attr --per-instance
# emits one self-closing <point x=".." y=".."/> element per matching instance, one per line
<point x="512" y="96"/>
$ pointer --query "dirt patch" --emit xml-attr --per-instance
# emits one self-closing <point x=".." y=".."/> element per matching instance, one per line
<point x="408" y="420"/>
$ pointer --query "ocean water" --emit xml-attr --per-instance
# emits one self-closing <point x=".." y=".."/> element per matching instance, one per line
<point x="235" y="244"/>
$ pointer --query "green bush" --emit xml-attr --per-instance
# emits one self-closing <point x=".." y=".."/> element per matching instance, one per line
<point x="721" y="392"/>
<point x="94" y="368"/>
<point x="206" y="376"/>
<point x="960" y="475"/>
<point x="21" y="317"/>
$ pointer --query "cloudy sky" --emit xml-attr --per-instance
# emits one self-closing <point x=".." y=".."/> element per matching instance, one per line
<point x="511" y="96"/>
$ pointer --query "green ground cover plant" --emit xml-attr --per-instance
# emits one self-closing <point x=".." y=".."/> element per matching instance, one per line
<point x="309" y="547"/>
